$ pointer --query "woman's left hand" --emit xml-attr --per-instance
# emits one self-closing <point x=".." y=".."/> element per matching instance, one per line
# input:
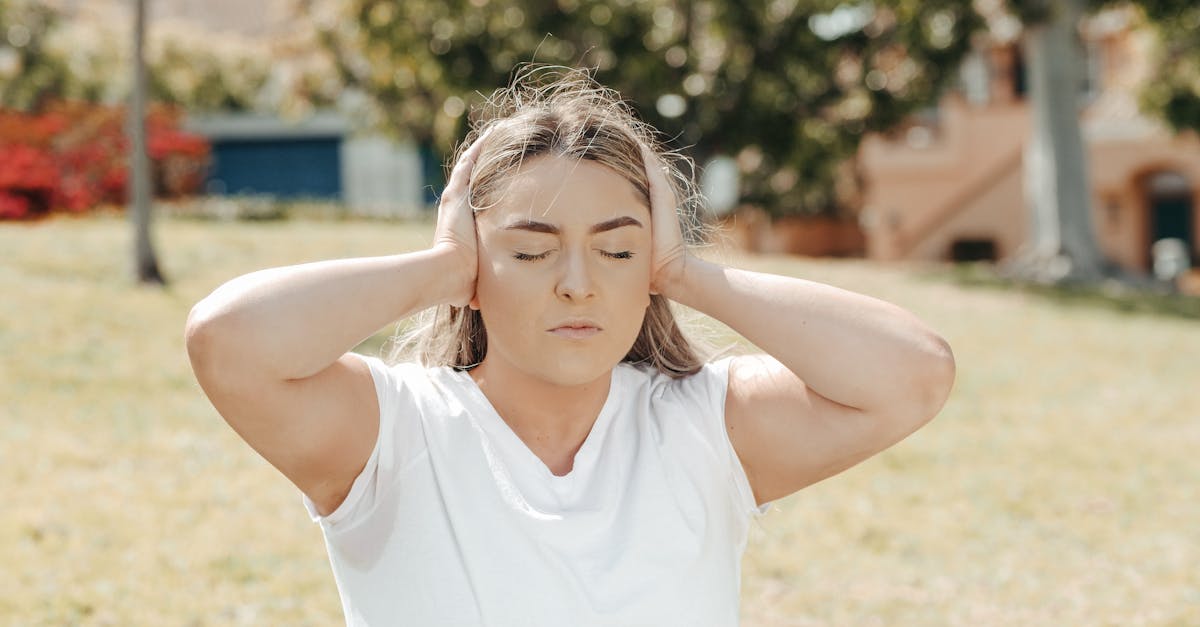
<point x="668" y="256"/>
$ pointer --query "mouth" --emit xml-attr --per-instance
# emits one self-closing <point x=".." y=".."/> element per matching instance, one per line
<point x="576" y="330"/>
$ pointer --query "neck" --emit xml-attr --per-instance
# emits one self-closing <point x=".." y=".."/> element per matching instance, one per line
<point x="552" y="419"/>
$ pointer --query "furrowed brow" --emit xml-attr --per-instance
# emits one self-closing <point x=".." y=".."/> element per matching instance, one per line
<point x="615" y="223"/>
<point x="531" y="225"/>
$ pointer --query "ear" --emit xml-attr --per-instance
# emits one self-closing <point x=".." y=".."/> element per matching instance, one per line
<point x="474" y="302"/>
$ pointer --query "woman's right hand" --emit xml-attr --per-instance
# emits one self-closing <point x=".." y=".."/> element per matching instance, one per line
<point x="455" y="231"/>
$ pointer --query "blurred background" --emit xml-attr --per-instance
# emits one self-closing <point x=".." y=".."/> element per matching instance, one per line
<point x="1022" y="174"/>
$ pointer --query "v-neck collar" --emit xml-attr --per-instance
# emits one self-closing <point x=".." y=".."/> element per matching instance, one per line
<point x="495" y="425"/>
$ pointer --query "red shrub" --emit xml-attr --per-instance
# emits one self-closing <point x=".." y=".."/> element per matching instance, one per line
<point x="27" y="167"/>
<point x="73" y="157"/>
<point x="12" y="207"/>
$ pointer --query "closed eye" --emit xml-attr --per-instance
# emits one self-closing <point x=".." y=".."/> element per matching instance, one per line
<point x="624" y="254"/>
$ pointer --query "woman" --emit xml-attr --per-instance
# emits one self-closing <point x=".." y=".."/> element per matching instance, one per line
<point x="553" y="451"/>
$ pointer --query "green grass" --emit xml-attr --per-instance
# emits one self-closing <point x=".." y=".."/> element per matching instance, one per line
<point x="1058" y="486"/>
<point x="1114" y="295"/>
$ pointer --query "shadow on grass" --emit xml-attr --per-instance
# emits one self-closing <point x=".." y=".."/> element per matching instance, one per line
<point x="1112" y="295"/>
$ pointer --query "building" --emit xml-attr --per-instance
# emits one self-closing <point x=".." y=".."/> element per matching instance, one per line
<point x="317" y="157"/>
<point x="307" y="155"/>
<point x="951" y="185"/>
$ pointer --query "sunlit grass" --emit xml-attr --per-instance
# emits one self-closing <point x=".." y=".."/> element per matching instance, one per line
<point x="1058" y="487"/>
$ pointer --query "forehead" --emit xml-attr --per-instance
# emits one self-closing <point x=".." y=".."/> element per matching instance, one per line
<point x="564" y="190"/>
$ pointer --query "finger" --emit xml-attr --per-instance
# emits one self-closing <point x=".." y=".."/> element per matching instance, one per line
<point x="662" y="195"/>
<point x="460" y="176"/>
<point x="661" y="192"/>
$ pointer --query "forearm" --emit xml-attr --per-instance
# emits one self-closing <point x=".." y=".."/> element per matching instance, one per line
<point x="294" y="321"/>
<point x="853" y="349"/>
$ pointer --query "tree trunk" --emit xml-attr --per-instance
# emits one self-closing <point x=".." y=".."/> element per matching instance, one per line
<point x="1062" y="241"/>
<point x="145" y="261"/>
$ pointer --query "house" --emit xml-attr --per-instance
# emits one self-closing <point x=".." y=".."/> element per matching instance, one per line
<point x="951" y="185"/>
<point x="319" y="155"/>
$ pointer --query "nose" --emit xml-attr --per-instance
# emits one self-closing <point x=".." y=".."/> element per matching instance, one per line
<point x="575" y="279"/>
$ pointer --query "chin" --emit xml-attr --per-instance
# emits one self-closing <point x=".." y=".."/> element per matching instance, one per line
<point x="572" y="370"/>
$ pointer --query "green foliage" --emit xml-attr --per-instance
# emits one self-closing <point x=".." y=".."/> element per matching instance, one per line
<point x="788" y="87"/>
<point x="44" y="58"/>
<point x="1180" y="12"/>
<point x="1172" y="94"/>
<point x="29" y="73"/>
<point x="206" y="78"/>
<point x="1032" y="12"/>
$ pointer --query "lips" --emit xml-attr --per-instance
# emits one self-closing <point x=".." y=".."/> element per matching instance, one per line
<point x="576" y="329"/>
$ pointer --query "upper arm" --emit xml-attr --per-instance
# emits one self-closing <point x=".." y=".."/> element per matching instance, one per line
<point x="789" y="436"/>
<point x="318" y="431"/>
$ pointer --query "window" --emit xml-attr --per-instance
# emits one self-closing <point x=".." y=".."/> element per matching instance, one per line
<point x="964" y="250"/>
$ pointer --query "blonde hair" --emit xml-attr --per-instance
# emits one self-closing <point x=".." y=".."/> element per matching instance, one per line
<point x="550" y="110"/>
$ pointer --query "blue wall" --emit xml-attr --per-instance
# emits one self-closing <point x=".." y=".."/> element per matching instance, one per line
<point x="285" y="168"/>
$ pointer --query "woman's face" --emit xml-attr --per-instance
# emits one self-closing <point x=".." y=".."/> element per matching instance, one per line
<point x="564" y="270"/>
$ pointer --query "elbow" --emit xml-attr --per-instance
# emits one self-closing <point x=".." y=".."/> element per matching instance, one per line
<point x="938" y="372"/>
<point x="197" y="336"/>
<point x="216" y="348"/>
<point x="201" y="336"/>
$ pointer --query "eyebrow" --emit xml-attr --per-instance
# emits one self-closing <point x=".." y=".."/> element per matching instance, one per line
<point x="542" y="227"/>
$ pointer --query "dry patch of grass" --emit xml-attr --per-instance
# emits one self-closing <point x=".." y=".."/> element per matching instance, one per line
<point x="1058" y="486"/>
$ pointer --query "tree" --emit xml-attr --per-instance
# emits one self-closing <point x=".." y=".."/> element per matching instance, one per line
<point x="145" y="261"/>
<point x="787" y="87"/>
<point x="1062" y="243"/>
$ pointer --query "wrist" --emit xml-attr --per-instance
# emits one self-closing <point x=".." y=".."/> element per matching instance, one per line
<point x="450" y="275"/>
<point x="680" y="282"/>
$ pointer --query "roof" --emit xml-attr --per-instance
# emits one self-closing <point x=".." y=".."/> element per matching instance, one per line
<point x="244" y="126"/>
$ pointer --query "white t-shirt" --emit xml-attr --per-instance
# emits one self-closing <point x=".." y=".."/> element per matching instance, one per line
<point x="454" y="521"/>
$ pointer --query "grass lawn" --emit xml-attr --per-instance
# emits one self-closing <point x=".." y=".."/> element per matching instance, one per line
<point x="1059" y="486"/>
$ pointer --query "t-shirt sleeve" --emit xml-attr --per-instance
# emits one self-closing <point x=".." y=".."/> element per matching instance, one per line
<point x="708" y="388"/>
<point x="395" y="445"/>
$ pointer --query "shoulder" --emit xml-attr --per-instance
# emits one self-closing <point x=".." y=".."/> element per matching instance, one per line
<point x="403" y="373"/>
<point x="697" y="399"/>
<point x="379" y="365"/>
<point x="408" y="387"/>
<point x="689" y="413"/>
<point x="712" y="377"/>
